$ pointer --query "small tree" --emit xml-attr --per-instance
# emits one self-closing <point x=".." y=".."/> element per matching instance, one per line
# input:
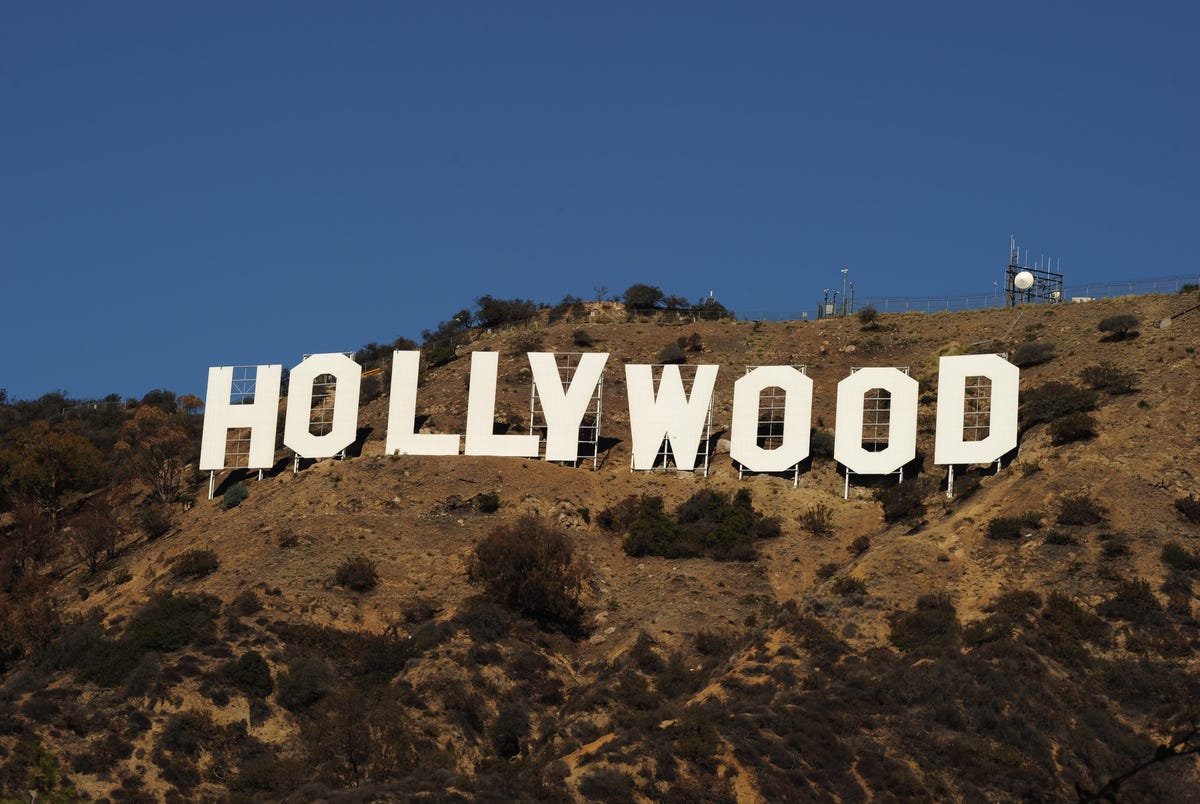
<point x="641" y="296"/>
<point x="868" y="317"/>
<point x="1119" y="326"/>
<point x="156" y="448"/>
<point x="190" y="403"/>
<point x="530" y="567"/>
<point x="95" y="534"/>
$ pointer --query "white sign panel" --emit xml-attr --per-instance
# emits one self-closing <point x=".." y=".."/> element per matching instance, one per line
<point x="260" y="416"/>
<point x="670" y="414"/>
<point x="564" y="409"/>
<point x="481" y="414"/>
<point x="797" y="414"/>
<point x="902" y="421"/>
<point x="297" y="435"/>
<point x="949" y="446"/>
<point x="402" y="413"/>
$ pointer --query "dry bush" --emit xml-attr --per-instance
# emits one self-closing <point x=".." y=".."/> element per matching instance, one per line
<point x="357" y="572"/>
<point x="195" y="564"/>
<point x="818" y="520"/>
<point x="903" y="501"/>
<point x="1080" y="508"/>
<point x="1033" y="354"/>
<point x="530" y="566"/>
<point x="1108" y="377"/>
<point x="930" y="628"/>
<point x="1072" y="428"/>
<point x="1118" y="326"/>
<point x="672" y="353"/>
<point x="1189" y="508"/>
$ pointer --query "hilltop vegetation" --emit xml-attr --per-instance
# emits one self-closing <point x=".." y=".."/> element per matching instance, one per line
<point x="501" y="629"/>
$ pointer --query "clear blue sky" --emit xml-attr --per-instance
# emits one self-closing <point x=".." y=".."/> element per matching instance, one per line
<point x="200" y="184"/>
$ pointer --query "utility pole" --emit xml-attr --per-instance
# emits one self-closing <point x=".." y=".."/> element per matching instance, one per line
<point x="844" y="272"/>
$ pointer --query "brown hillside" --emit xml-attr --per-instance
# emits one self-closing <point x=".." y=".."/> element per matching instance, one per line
<point x="696" y="679"/>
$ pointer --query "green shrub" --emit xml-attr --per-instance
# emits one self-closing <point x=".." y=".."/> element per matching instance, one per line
<point x="1072" y="428"/>
<point x="168" y="623"/>
<point x="607" y="784"/>
<point x="692" y="343"/>
<point x="929" y="629"/>
<point x="234" y="496"/>
<point x="438" y="353"/>
<point x="708" y="523"/>
<point x="531" y="567"/>
<point x="1080" y="509"/>
<point x="1118" y="326"/>
<point x="195" y="564"/>
<point x="1112" y="546"/>
<point x="642" y="297"/>
<point x="1108" y="377"/>
<point x="618" y="517"/>
<point x="1053" y="401"/>
<point x="1033" y="354"/>
<point x="492" y="312"/>
<point x="358" y="573"/>
<point x="570" y="307"/>
<point x="1005" y="528"/>
<point x="582" y="338"/>
<point x="250" y="674"/>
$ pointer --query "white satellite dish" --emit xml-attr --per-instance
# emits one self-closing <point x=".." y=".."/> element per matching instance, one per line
<point x="1023" y="281"/>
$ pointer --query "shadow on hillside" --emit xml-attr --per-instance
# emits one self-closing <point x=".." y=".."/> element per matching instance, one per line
<point x="604" y="448"/>
<point x="913" y="470"/>
<point x="355" y="450"/>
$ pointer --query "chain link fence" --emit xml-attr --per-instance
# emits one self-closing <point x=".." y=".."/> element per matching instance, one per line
<point x="976" y="301"/>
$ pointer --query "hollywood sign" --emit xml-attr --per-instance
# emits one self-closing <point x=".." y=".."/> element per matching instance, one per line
<point x="667" y="414"/>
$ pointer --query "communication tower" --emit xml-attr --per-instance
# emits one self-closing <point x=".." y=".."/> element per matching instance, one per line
<point x="1024" y="284"/>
